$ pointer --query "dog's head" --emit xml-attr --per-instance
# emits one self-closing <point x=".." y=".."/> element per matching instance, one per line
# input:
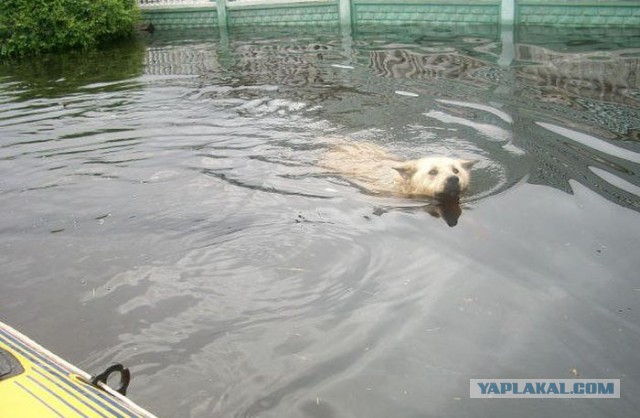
<point x="438" y="177"/>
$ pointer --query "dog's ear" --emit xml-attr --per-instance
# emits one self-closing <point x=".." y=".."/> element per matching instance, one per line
<point x="406" y="169"/>
<point x="467" y="164"/>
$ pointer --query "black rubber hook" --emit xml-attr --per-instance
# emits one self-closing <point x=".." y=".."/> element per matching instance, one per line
<point x="125" y="377"/>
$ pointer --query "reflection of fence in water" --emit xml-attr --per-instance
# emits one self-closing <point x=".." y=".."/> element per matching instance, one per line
<point x="286" y="64"/>
<point x="181" y="61"/>
<point x="402" y="63"/>
<point x="610" y="76"/>
<point x="300" y="63"/>
<point x="292" y="64"/>
<point x="555" y="77"/>
<point x="614" y="77"/>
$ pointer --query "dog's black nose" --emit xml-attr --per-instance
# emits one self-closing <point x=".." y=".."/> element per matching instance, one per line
<point x="452" y="187"/>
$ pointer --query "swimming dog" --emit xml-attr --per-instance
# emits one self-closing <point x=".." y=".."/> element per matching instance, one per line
<point x="374" y="169"/>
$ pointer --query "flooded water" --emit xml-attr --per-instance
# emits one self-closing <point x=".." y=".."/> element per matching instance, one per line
<point x="162" y="206"/>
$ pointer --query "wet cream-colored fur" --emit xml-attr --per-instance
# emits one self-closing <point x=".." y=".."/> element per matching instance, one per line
<point x="374" y="169"/>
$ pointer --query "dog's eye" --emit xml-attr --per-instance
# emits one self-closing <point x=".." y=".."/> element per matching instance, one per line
<point x="433" y="172"/>
<point x="455" y="170"/>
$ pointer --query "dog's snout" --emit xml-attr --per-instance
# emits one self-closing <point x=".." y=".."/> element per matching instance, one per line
<point x="452" y="186"/>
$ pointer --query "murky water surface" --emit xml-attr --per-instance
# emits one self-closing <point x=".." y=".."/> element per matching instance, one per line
<point x="162" y="206"/>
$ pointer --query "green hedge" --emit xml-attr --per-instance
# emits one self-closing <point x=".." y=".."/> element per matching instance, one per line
<point x="34" y="26"/>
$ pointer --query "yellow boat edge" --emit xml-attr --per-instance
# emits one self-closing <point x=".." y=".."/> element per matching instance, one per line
<point x="35" y="383"/>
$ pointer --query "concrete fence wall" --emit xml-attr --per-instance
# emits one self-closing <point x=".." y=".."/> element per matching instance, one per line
<point x="235" y="13"/>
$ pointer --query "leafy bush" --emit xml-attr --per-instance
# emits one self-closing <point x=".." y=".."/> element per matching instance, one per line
<point x="35" y="26"/>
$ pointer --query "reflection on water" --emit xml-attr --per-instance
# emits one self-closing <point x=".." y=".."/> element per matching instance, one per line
<point x="163" y="208"/>
<point x="63" y="75"/>
<point x="448" y="210"/>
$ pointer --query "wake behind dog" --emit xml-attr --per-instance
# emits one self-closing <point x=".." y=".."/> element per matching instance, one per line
<point x="374" y="169"/>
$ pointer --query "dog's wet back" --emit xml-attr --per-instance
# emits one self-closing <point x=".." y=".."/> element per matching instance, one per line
<point x="374" y="169"/>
